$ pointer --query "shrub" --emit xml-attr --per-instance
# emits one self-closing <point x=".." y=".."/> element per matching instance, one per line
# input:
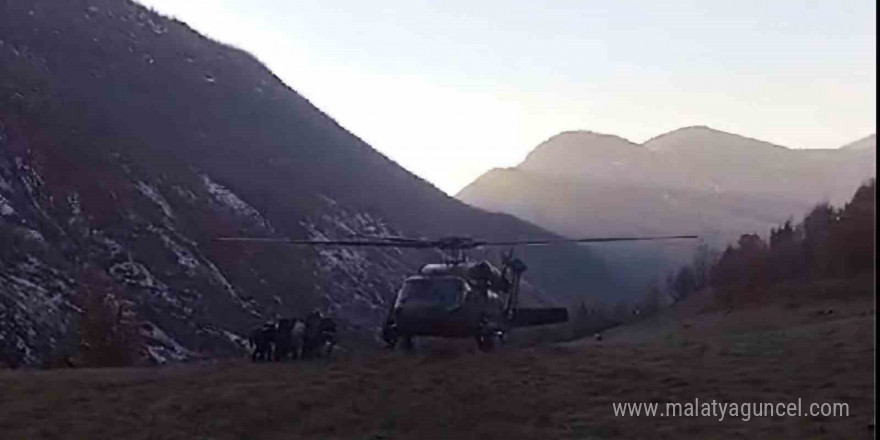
<point x="109" y="334"/>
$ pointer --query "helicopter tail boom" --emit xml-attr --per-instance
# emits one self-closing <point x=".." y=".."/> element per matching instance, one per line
<point x="527" y="317"/>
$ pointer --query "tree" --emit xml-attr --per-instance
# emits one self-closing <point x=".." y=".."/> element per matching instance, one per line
<point x="753" y="261"/>
<point x="669" y="284"/>
<point x="723" y="273"/>
<point x="685" y="284"/>
<point x="108" y="328"/>
<point x="651" y="302"/>
<point x="853" y="240"/>
<point x="704" y="259"/>
<point x="786" y="253"/>
<point x="829" y="242"/>
<point x="817" y="226"/>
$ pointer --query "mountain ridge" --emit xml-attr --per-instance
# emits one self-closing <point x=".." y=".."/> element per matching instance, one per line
<point x="864" y="142"/>
<point x="706" y="129"/>
<point x="695" y="180"/>
<point x="867" y="142"/>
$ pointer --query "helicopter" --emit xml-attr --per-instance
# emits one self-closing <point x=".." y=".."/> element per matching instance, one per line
<point x="458" y="297"/>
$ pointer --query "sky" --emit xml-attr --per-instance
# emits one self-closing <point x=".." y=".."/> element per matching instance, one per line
<point x="450" y="89"/>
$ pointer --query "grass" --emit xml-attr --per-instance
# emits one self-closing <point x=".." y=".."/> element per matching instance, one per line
<point x="451" y="391"/>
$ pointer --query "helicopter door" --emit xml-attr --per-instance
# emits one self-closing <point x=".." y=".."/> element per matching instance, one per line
<point x="439" y="291"/>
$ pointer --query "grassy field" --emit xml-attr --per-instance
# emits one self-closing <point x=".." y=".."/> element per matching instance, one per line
<point x="764" y="354"/>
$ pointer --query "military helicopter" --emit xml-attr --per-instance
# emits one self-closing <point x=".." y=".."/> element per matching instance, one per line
<point x="458" y="298"/>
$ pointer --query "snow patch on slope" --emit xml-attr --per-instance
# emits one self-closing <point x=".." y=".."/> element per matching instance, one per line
<point x="356" y="283"/>
<point x="162" y="348"/>
<point x="230" y="200"/>
<point x="153" y="194"/>
<point x="184" y="257"/>
<point x="6" y="208"/>
<point x="136" y="274"/>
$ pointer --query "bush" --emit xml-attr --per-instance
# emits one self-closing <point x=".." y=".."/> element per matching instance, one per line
<point x="109" y="334"/>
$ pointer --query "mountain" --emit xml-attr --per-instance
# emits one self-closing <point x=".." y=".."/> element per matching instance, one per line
<point x="694" y="180"/>
<point x="128" y="142"/>
<point x="865" y="143"/>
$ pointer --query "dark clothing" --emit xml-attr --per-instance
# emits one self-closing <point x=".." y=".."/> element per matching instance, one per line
<point x="263" y="340"/>
<point x="284" y="339"/>
<point x="320" y="335"/>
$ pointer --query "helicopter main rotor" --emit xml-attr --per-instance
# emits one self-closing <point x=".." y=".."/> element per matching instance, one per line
<point x="453" y="243"/>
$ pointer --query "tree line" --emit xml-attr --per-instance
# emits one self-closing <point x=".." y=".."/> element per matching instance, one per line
<point x="829" y="243"/>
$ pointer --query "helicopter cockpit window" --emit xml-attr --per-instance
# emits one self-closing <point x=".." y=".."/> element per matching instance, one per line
<point x="442" y="291"/>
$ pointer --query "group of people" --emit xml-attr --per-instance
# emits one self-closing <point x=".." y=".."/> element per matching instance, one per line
<point x="293" y="338"/>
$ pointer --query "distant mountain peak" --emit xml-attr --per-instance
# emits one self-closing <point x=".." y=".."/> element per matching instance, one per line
<point x="698" y="128"/>
<point x="570" y="148"/>
<point x="687" y="130"/>
<point x="697" y="137"/>
<point x="583" y="135"/>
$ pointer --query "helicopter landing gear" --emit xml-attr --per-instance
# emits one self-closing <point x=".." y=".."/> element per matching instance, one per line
<point x="389" y="334"/>
<point x="408" y="344"/>
<point x="488" y="336"/>
<point x="487" y="342"/>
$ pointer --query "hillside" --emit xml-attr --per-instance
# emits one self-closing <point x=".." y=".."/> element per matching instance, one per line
<point x="128" y="141"/>
<point x="865" y="143"/>
<point x="694" y="180"/>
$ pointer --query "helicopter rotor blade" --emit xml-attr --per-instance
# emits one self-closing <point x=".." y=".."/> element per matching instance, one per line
<point x="448" y="243"/>
<point x="392" y="238"/>
<point x="357" y="243"/>
<point x="582" y="240"/>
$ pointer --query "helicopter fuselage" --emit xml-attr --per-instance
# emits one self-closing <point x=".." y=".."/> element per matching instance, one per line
<point x="452" y="300"/>
<point x="472" y="311"/>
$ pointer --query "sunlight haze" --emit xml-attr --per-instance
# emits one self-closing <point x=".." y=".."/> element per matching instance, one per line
<point x="452" y="89"/>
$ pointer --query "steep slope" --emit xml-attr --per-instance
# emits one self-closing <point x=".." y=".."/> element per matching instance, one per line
<point x="692" y="180"/>
<point x="128" y="141"/>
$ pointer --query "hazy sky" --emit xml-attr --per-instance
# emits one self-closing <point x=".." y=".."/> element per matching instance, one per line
<point x="450" y="89"/>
